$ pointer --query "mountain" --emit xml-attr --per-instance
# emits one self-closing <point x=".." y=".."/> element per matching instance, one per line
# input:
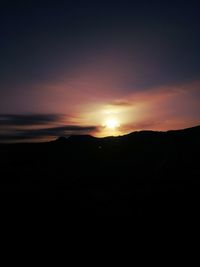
<point x="145" y="145"/>
<point x="189" y="132"/>
<point x="143" y="173"/>
<point x="61" y="139"/>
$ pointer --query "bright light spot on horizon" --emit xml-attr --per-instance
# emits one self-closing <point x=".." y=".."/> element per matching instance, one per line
<point x="111" y="123"/>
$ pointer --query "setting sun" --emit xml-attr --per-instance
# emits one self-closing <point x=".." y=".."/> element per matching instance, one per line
<point x="112" y="123"/>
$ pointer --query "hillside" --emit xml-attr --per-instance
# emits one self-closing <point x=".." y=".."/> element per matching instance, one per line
<point x="142" y="173"/>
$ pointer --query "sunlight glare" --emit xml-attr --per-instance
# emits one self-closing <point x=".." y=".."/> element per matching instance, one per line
<point x="111" y="123"/>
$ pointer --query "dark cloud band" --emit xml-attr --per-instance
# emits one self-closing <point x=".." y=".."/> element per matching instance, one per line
<point x="14" y="127"/>
<point x="27" y="120"/>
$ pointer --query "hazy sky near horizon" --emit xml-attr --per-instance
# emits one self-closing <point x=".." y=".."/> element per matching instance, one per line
<point x="68" y="66"/>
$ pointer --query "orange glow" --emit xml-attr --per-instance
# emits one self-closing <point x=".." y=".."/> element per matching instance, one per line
<point x="111" y="123"/>
<point x="162" y="108"/>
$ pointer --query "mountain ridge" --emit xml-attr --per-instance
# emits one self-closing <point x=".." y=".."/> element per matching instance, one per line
<point x="142" y="133"/>
<point x="147" y="172"/>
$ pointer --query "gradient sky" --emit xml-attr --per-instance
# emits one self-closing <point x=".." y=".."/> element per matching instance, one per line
<point x="67" y="66"/>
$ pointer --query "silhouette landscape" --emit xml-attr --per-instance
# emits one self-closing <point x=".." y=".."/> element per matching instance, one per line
<point x="99" y="107"/>
<point x="141" y="173"/>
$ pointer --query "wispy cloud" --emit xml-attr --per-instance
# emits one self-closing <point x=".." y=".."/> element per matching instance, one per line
<point x="17" y="127"/>
<point x="28" y="120"/>
<point x="121" y="103"/>
<point x="57" y="131"/>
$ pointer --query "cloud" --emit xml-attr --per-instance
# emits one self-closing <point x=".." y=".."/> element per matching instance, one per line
<point x="57" y="131"/>
<point x="38" y="127"/>
<point x="121" y="103"/>
<point x="46" y="133"/>
<point x="28" y="120"/>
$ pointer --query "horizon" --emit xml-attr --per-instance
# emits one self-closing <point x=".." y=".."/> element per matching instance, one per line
<point x="103" y="68"/>
<point x="30" y="140"/>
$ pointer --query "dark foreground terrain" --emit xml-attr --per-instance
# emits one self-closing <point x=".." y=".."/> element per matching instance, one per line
<point x="143" y="173"/>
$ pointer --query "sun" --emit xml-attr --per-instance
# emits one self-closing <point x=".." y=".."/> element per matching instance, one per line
<point x="112" y="123"/>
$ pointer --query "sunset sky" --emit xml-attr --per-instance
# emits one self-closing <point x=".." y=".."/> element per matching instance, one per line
<point x="73" y="67"/>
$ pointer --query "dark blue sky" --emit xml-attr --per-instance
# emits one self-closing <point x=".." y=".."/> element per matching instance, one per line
<point x="59" y="57"/>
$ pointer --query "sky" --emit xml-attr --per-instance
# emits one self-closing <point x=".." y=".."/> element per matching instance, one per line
<point x="71" y="67"/>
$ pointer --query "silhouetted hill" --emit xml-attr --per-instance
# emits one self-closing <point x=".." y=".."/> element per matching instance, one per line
<point x="194" y="131"/>
<point x="61" y="139"/>
<point x="136" y="144"/>
<point x="142" y="173"/>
